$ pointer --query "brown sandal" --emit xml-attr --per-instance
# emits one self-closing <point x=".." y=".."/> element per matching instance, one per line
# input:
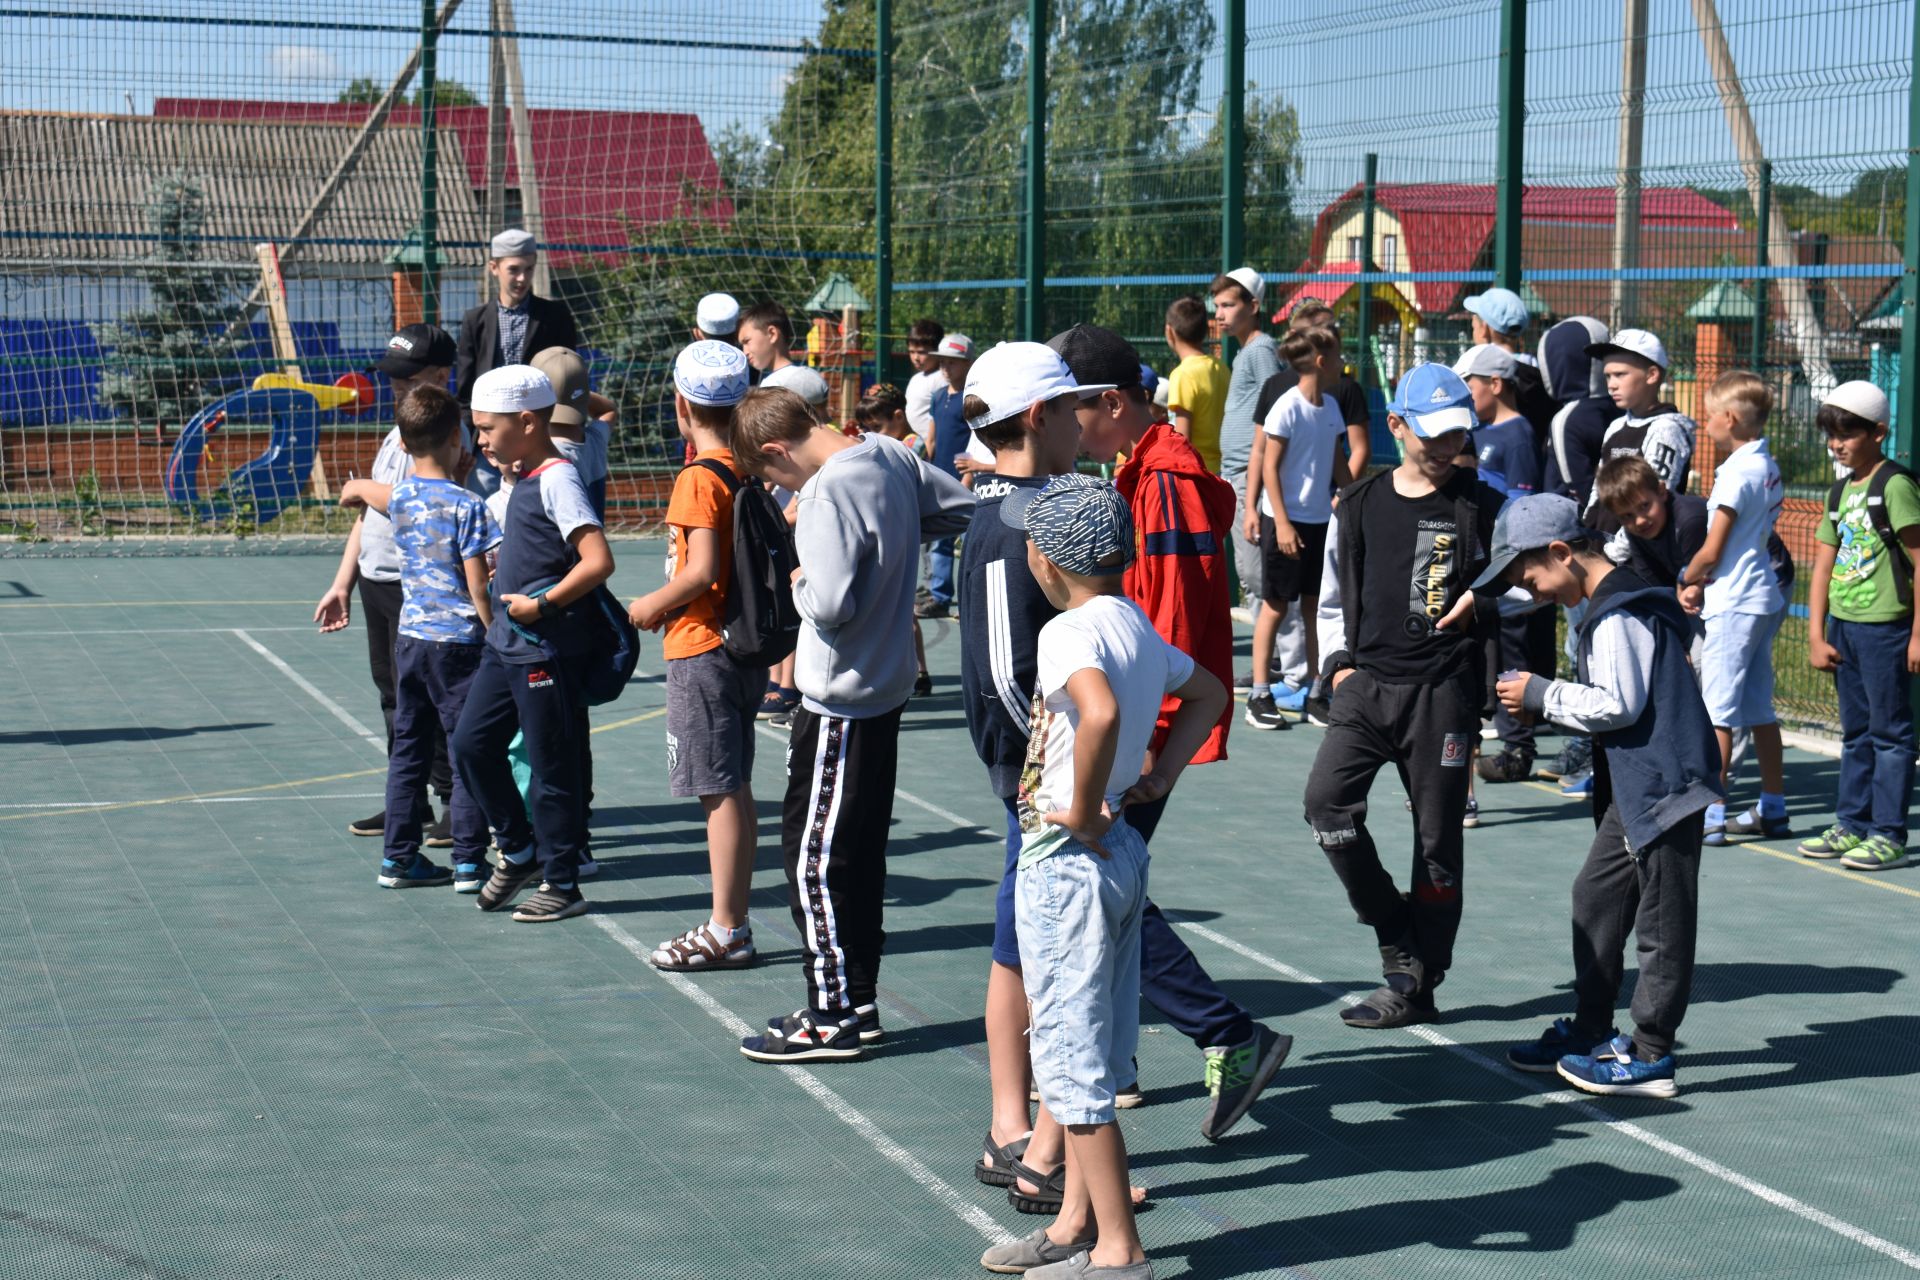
<point x="697" y="948"/>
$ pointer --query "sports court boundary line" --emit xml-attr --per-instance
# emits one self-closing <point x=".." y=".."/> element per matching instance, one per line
<point x="312" y="690"/>
<point x="936" y="1186"/>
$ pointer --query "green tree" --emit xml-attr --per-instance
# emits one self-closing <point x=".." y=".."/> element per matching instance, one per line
<point x="167" y="357"/>
<point x="446" y="93"/>
<point x="363" y="90"/>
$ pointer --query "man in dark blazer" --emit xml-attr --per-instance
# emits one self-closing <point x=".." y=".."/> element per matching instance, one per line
<point x="509" y="328"/>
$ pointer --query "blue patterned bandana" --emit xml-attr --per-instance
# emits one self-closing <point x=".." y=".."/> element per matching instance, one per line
<point x="1080" y="523"/>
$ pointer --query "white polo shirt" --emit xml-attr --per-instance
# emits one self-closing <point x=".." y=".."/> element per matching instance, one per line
<point x="1748" y="484"/>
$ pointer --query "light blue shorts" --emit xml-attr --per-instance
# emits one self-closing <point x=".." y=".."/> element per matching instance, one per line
<point x="1736" y="669"/>
<point x="1078" y="920"/>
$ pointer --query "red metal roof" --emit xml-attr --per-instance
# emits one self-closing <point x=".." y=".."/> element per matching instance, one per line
<point x="600" y="172"/>
<point x="1445" y="226"/>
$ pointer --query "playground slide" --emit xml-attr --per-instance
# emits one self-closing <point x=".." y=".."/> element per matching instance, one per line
<point x="268" y="482"/>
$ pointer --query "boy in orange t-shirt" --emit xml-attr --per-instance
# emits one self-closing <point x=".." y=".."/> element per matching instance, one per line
<point x="711" y="700"/>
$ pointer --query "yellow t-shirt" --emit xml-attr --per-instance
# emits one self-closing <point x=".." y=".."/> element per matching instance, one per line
<point x="1198" y="388"/>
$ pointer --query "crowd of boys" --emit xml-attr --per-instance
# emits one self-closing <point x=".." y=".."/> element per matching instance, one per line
<point x="1399" y="607"/>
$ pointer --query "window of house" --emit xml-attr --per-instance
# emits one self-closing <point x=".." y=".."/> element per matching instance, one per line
<point x="1353" y="248"/>
<point x="1389" y="253"/>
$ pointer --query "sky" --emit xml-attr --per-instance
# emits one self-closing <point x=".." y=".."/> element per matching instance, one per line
<point x="1415" y="82"/>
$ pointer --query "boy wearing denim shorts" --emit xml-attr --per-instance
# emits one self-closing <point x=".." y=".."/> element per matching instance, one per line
<point x="1731" y="584"/>
<point x="1081" y="885"/>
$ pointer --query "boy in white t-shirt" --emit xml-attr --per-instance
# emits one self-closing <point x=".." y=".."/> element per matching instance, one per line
<point x="1731" y="585"/>
<point x="1303" y="465"/>
<point x="1081" y="882"/>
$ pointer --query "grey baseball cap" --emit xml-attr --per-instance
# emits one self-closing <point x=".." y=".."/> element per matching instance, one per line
<point x="1527" y="524"/>
<point x="1080" y="523"/>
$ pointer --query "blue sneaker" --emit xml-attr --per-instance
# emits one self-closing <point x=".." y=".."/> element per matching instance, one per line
<point x="1614" y="1070"/>
<point x="468" y="877"/>
<point x="1581" y="785"/>
<point x="415" y="875"/>
<point x="1562" y="1038"/>
<point x="1288" y="698"/>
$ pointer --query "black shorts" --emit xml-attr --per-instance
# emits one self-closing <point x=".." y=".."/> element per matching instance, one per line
<point x="1284" y="579"/>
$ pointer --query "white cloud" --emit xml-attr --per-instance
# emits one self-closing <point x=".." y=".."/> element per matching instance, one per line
<point x="303" y="62"/>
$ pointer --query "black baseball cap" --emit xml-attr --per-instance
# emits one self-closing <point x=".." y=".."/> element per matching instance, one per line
<point x="1098" y="357"/>
<point x="417" y="347"/>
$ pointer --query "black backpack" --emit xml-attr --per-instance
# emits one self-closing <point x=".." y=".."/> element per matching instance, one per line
<point x="1881" y="521"/>
<point x="762" y="624"/>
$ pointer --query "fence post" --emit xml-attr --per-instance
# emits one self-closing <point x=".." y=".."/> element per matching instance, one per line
<point x="1508" y="163"/>
<point x="1909" y="390"/>
<point x="882" y="185"/>
<point x="1033" y="302"/>
<point x="1233" y="138"/>
<point x="1763" y="218"/>
<point x="429" y="170"/>
<point x="1368" y="199"/>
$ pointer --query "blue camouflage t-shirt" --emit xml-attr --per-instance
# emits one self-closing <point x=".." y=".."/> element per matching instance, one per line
<point x="438" y="526"/>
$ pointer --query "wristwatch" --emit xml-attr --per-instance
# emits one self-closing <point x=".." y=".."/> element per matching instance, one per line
<point x="547" y="607"/>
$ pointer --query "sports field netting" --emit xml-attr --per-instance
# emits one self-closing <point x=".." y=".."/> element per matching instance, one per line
<point x="225" y="1053"/>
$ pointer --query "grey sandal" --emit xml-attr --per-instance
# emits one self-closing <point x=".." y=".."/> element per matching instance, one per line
<point x="997" y="1171"/>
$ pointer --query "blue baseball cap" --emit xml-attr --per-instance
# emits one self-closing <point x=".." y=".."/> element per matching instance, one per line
<point x="1502" y="309"/>
<point x="1149" y="380"/>
<point x="1080" y="523"/>
<point x="1433" y="400"/>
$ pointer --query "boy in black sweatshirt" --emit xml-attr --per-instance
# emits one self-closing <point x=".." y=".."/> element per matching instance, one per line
<point x="1656" y="769"/>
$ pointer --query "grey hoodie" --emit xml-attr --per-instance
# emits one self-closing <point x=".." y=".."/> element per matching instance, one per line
<point x="862" y="518"/>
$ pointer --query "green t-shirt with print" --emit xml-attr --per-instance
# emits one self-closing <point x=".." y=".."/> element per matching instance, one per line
<point x="1864" y="588"/>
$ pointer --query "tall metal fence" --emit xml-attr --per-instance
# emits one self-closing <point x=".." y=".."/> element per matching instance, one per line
<point x="1733" y="177"/>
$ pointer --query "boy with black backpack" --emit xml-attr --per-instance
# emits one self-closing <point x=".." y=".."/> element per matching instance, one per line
<point x="712" y="699"/>
<point x="1861" y="626"/>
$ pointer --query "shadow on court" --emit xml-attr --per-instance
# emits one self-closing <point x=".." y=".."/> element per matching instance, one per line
<point x="1717" y="983"/>
<point x="118" y="733"/>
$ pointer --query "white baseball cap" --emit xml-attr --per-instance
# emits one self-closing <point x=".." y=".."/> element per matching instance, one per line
<point x="511" y="388"/>
<point x="957" y="346"/>
<point x="1632" y="342"/>
<point x="717" y="314"/>
<point x="711" y="373"/>
<point x="1250" y="280"/>
<point x="801" y="380"/>
<point x="1861" y="399"/>
<point x="1015" y="376"/>
<point x="1486" y="361"/>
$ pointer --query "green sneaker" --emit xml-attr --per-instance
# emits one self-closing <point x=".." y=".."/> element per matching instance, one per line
<point x="1876" y="853"/>
<point x="1834" y="842"/>
<point x="1235" y="1076"/>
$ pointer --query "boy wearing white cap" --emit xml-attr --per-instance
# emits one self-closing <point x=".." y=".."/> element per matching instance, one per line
<point x="1405" y="654"/>
<point x="1634" y="363"/>
<point x="946" y="444"/>
<point x="865" y="504"/>
<point x="1862" y="626"/>
<point x="717" y="317"/>
<point x="711" y="699"/>
<point x="552" y="558"/>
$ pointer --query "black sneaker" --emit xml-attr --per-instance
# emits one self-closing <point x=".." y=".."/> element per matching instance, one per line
<point x="416" y="874"/>
<point x="1508" y="766"/>
<point x="551" y="904"/>
<point x="923" y="685"/>
<point x="374" y="826"/>
<point x="1319" y="711"/>
<point x="440" y="834"/>
<point x="1575" y="758"/>
<point x="1261" y="713"/>
<point x="868" y="1014"/>
<point x="1235" y="1077"/>
<point x="508" y="878"/>
<point x="806" y="1036"/>
<point x="932" y="608"/>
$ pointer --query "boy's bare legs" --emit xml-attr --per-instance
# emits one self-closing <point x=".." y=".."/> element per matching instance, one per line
<point x="1266" y="625"/>
<point x="1007" y="1053"/>
<point x="731" y="837"/>
<point x="1097" y="1179"/>
<point x="1766" y="751"/>
<point x="1309" y="613"/>
<point x="1047" y="1148"/>
<point x="919" y="649"/>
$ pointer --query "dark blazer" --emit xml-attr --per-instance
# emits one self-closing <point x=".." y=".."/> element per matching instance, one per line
<point x="549" y="324"/>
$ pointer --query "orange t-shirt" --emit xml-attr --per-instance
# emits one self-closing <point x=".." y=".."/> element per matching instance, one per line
<point x="700" y="501"/>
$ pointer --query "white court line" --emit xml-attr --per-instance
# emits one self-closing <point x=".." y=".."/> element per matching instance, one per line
<point x="1779" y="1199"/>
<point x="912" y="799"/>
<point x="312" y="690"/>
<point x="968" y="1212"/>
<point x="95" y="804"/>
<point x="151" y="631"/>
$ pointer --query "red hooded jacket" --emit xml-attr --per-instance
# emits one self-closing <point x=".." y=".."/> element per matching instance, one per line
<point x="1182" y="514"/>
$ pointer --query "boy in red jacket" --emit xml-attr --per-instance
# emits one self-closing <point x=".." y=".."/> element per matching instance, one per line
<point x="1181" y="515"/>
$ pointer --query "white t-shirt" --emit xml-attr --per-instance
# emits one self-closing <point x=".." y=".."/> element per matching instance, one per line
<point x="379" y="558"/>
<point x="588" y="454"/>
<point x="563" y="496"/>
<point x="1306" y="471"/>
<point x="1113" y="635"/>
<point x="920" y="389"/>
<point x="1748" y="484"/>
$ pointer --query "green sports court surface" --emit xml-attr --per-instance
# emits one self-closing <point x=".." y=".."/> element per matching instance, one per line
<point x="225" y="1053"/>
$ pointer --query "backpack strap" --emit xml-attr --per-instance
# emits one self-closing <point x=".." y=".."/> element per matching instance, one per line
<point x="721" y="469"/>
<point x="1883" y="526"/>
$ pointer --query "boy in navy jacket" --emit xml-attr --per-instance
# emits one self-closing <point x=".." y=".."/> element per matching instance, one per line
<point x="1656" y="770"/>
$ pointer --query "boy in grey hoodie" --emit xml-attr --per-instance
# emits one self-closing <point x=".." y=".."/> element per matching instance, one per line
<point x="865" y="505"/>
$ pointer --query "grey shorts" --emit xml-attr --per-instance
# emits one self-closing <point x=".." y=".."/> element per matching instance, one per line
<point x="711" y="708"/>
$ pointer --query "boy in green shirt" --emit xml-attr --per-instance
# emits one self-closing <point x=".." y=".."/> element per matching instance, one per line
<point x="1861" y="626"/>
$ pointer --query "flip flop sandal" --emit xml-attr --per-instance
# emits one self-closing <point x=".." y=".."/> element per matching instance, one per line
<point x="1390" y="1009"/>
<point x="998" y="1169"/>
<point x="1053" y="1188"/>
